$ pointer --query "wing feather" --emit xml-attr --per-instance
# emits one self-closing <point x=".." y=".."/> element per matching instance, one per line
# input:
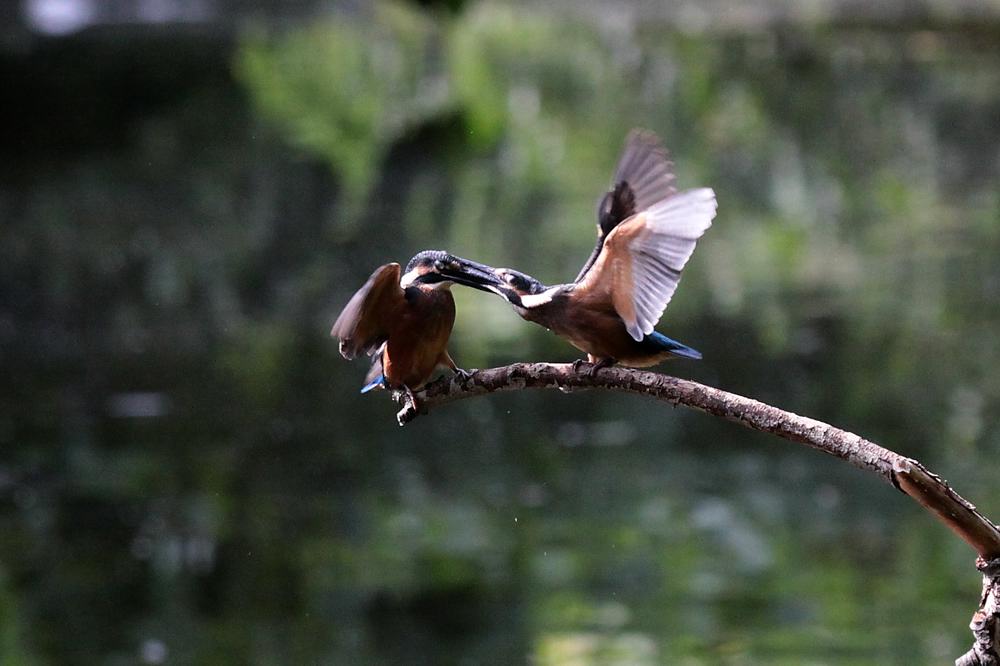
<point x="641" y="261"/>
<point x="363" y="323"/>
<point x="650" y="174"/>
<point x="644" y="176"/>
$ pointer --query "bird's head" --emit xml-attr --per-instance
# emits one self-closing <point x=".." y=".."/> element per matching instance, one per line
<point x="520" y="289"/>
<point x="440" y="270"/>
<point x="520" y="283"/>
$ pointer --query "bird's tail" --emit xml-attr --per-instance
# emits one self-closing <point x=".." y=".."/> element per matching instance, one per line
<point x="375" y="377"/>
<point x="373" y="384"/>
<point x="670" y="345"/>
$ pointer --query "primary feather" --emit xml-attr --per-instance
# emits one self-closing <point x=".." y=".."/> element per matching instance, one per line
<point x="362" y="324"/>
<point x="644" y="176"/>
<point x="660" y="251"/>
<point x="640" y="264"/>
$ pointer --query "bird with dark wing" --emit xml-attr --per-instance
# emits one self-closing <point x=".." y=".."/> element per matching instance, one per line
<point x="404" y="321"/>
<point x="646" y="232"/>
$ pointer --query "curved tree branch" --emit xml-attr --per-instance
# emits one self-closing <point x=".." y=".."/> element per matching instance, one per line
<point x="906" y="474"/>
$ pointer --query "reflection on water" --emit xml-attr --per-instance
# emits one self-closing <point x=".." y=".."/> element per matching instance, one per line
<point x="188" y="475"/>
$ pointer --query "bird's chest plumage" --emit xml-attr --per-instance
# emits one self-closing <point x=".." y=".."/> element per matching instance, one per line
<point x="591" y="325"/>
<point x="419" y="337"/>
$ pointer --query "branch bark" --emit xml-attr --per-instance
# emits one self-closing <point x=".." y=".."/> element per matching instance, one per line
<point x="984" y="621"/>
<point x="906" y="474"/>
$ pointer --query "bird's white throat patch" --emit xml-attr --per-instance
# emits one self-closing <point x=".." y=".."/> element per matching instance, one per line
<point x="534" y="300"/>
<point x="408" y="278"/>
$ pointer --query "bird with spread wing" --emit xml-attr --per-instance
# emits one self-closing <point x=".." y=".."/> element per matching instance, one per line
<point x="404" y="320"/>
<point x="646" y="232"/>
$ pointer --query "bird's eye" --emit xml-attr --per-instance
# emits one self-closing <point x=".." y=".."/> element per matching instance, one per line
<point x="439" y="265"/>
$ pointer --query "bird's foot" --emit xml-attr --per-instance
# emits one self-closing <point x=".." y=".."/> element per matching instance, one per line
<point x="597" y="365"/>
<point x="410" y="408"/>
<point x="464" y="375"/>
<point x="404" y="395"/>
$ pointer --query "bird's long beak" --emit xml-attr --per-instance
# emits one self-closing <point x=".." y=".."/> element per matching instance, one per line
<point x="473" y="274"/>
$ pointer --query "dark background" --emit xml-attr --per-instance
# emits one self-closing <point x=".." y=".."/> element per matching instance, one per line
<point x="190" y="191"/>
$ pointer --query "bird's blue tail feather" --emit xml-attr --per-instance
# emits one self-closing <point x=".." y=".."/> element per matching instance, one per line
<point x="373" y="384"/>
<point x="676" y="348"/>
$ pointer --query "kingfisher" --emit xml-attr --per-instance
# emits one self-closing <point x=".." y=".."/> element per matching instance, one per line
<point x="404" y="322"/>
<point x="646" y="232"/>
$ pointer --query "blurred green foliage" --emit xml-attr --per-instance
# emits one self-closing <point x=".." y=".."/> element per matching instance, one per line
<point x="347" y="89"/>
<point x="187" y="473"/>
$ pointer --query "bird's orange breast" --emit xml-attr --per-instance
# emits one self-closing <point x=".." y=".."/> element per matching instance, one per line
<point x="419" y="337"/>
<point x="589" y="322"/>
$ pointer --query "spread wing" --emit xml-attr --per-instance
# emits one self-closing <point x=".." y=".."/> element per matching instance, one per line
<point x="363" y="323"/>
<point x="641" y="261"/>
<point x="644" y="176"/>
